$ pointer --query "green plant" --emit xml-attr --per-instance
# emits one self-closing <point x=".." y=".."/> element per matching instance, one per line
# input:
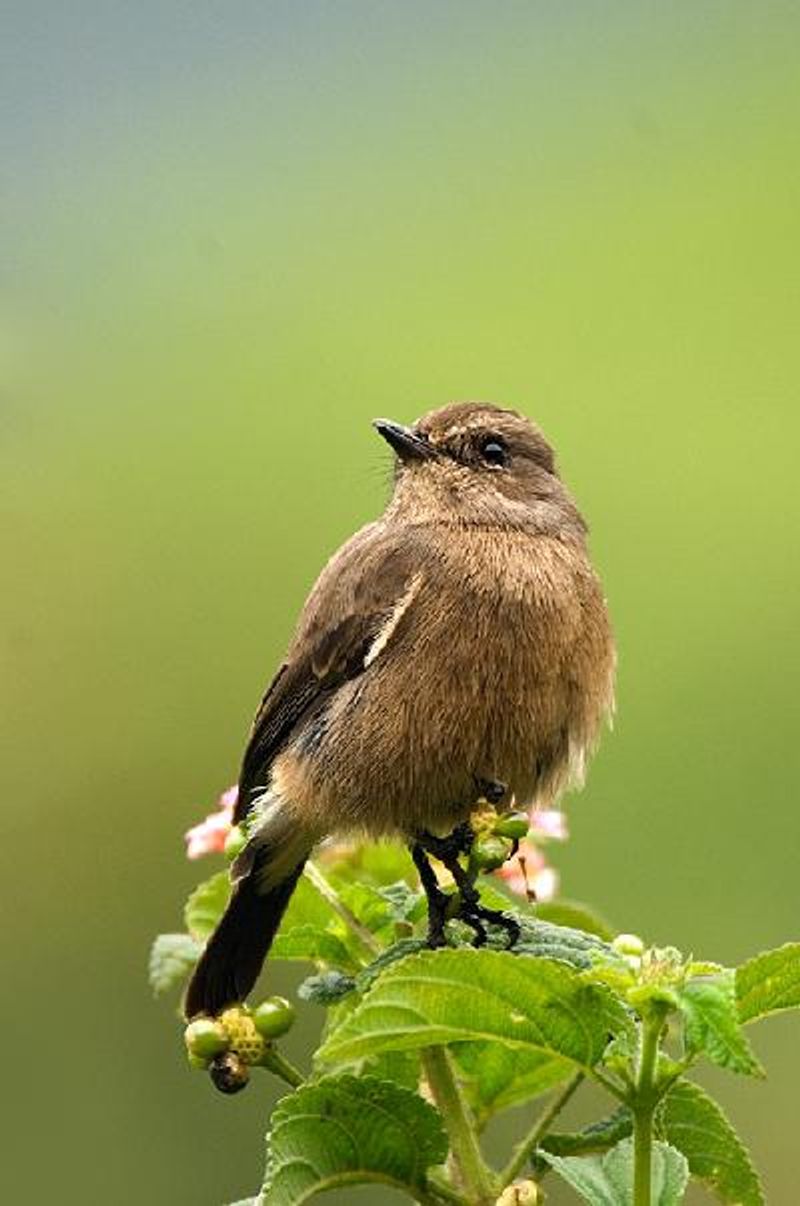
<point x="421" y="1048"/>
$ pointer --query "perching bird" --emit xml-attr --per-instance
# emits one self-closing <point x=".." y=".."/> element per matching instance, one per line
<point x="457" y="648"/>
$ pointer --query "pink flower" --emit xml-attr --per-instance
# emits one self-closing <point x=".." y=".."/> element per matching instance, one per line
<point x="529" y="874"/>
<point x="549" y="823"/>
<point x="209" y="836"/>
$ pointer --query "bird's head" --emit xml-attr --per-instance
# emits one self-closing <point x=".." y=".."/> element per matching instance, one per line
<point x="475" y="463"/>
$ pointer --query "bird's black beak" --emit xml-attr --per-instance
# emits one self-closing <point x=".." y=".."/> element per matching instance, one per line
<point x="407" y="444"/>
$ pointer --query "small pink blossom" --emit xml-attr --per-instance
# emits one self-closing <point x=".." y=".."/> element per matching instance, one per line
<point x="549" y="823"/>
<point x="209" y="836"/>
<point x="529" y="874"/>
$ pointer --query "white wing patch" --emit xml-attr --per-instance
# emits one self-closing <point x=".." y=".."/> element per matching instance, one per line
<point x="398" y="611"/>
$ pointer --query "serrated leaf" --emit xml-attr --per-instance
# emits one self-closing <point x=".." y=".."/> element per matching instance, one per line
<point x="346" y="1131"/>
<point x="451" y="996"/>
<point x="543" y="939"/>
<point x="496" y="1077"/>
<point x="711" y="1024"/>
<point x="398" y="950"/>
<point x="402" y="1067"/>
<point x="326" y="988"/>
<point x="307" y="907"/>
<point x="405" y="903"/>
<point x="312" y="943"/>
<point x="206" y="905"/>
<point x="367" y="905"/>
<point x="769" y="983"/>
<point x="172" y="957"/>
<point x="694" y="1124"/>
<point x="608" y="1180"/>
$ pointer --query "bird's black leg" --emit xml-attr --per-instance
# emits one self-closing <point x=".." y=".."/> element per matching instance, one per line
<point x="437" y="899"/>
<point x="471" y="910"/>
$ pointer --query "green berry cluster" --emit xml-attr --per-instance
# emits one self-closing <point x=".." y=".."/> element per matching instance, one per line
<point x="496" y="836"/>
<point x="239" y="1038"/>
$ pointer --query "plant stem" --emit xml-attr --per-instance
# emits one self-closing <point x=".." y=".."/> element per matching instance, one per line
<point x="273" y="1061"/>
<point x="476" y="1178"/>
<point x="329" y="893"/>
<point x="528" y="1144"/>
<point x="643" y="1105"/>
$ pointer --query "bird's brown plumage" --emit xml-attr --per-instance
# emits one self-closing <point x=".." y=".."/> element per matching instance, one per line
<point x="461" y="638"/>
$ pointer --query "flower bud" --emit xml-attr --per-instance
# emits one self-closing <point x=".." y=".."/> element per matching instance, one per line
<point x="235" y="842"/>
<point x="229" y="1073"/>
<point x="628" y="944"/>
<point x="243" y="1038"/>
<point x="273" y="1017"/>
<point x="523" y="1193"/>
<point x="490" y="852"/>
<point x="513" y="825"/>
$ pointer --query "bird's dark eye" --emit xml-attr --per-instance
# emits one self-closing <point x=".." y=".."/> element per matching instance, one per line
<point x="494" y="451"/>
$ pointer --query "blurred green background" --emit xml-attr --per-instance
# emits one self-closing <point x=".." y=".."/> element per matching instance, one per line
<point x="231" y="235"/>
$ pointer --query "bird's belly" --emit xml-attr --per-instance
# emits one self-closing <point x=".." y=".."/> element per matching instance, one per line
<point x="506" y="705"/>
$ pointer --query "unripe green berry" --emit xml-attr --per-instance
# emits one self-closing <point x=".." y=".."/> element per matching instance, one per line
<point x="197" y="1061"/>
<point x="490" y="852"/>
<point x="274" y="1017"/>
<point x="205" y="1038"/>
<point x="513" y="825"/>
<point x="235" y="842"/>
<point x="229" y="1073"/>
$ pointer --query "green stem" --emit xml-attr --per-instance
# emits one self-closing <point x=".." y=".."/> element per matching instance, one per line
<point x="443" y="1192"/>
<point x="609" y="1085"/>
<point x="476" y="1178"/>
<point x="527" y="1145"/>
<point x="643" y="1105"/>
<point x="329" y="893"/>
<point x="273" y="1061"/>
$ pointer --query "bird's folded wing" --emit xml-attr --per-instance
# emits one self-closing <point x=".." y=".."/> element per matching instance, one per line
<point x="349" y="619"/>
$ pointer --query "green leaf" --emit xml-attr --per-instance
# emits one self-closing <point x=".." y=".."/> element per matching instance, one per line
<point x="402" y="1067"/>
<point x="307" y="907"/>
<point x="496" y="1077"/>
<point x="206" y="905"/>
<point x="711" y="1024"/>
<point x="405" y="903"/>
<point x="576" y="916"/>
<point x="693" y="1122"/>
<point x="451" y="996"/>
<point x="398" y="950"/>
<point x="542" y="939"/>
<point x="367" y="905"/>
<point x="311" y="943"/>
<point x="172" y="957"/>
<point x="608" y="1180"/>
<point x="597" y="1136"/>
<point x="326" y="988"/>
<point x="769" y="983"/>
<point x="347" y="1131"/>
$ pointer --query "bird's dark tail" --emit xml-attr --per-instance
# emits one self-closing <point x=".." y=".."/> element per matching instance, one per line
<point x="235" y="953"/>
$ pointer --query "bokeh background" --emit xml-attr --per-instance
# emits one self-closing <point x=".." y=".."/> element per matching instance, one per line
<point x="231" y="235"/>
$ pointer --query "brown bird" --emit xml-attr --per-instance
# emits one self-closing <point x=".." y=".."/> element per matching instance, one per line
<point x="457" y="648"/>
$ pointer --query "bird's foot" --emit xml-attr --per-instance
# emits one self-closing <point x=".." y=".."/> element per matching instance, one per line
<point x="470" y="909"/>
<point x="478" y="916"/>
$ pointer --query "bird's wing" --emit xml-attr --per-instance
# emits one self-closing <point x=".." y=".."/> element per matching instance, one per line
<point x="350" y="616"/>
